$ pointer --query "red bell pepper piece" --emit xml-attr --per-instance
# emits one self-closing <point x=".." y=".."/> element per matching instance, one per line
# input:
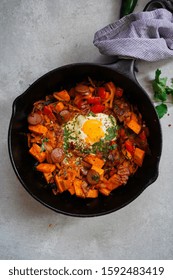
<point x="129" y="146"/>
<point x="94" y="100"/>
<point x="143" y="136"/>
<point x="102" y="92"/>
<point x="47" y="110"/>
<point x="97" y="108"/>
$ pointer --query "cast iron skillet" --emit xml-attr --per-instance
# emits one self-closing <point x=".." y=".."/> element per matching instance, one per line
<point x="122" y="73"/>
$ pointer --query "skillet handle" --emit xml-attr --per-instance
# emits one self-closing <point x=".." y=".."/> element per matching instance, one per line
<point x="158" y="4"/>
<point x="124" y="66"/>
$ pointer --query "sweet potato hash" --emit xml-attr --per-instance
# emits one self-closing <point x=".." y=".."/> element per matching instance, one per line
<point x="87" y="140"/>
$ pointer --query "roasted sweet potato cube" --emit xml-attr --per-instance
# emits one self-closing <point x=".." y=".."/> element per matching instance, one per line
<point x="114" y="182"/>
<point x="139" y="156"/>
<point x="104" y="191"/>
<point x="71" y="189"/>
<point x="133" y="116"/>
<point x="94" y="160"/>
<point x="92" y="193"/>
<point x="38" y="129"/>
<point x="78" y="188"/>
<point x="99" y="170"/>
<point x="59" y="107"/>
<point x="62" y="95"/>
<point x="48" y="177"/>
<point x="133" y="125"/>
<point x="37" y="153"/>
<point x="46" y="167"/>
<point x="60" y="184"/>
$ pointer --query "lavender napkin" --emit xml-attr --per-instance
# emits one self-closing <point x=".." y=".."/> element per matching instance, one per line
<point x="145" y="35"/>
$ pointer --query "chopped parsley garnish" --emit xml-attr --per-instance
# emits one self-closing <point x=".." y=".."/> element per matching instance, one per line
<point x="161" y="110"/>
<point x="91" y="114"/>
<point x="67" y="134"/>
<point x="111" y="133"/>
<point x="161" y="92"/>
<point x="44" y="140"/>
<point x="112" y="119"/>
<point x="96" y="178"/>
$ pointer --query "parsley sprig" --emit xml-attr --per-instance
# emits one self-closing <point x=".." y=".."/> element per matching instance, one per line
<point x="161" y="92"/>
<point x="44" y="140"/>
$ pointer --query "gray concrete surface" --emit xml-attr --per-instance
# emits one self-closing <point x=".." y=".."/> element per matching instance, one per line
<point x="35" y="37"/>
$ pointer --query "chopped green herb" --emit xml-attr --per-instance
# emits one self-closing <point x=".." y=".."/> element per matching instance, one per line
<point x="44" y="140"/>
<point x="161" y="92"/>
<point x="67" y="134"/>
<point x="112" y="119"/>
<point x="91" y="114"/>
<point x="111" y="133"/>
<point x="96" y="178"/>
<point x="112" y="147"/>
<point x="159" y="86"/>
<point x="161" y="110"/>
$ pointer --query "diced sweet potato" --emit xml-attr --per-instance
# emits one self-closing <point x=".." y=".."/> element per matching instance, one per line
<point x="104" y="191"/>
<point x="98" y="169"/>
<point x="60" y="184"/>
<point x="92" y="193"/>
<point x="71" y="189"/>
<point x="139" y="156"/>
<point x="78" y="188"/>
<point x="38" y="129"/>
<point x="62" y="95"/>
<point x="48" y="177"/>
<point x="94" y="160"/>
<point x="46" y="167"/>
<point x="36" y="152"/>
<point x="114" y="182"/>
<point x="36" y="139"/>
<point x="133" y="125"/>
<point x="59" y="107"/>
<point x="133" y="116"/>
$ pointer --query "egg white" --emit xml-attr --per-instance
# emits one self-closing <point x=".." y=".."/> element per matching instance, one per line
<point x="77" y="135"/>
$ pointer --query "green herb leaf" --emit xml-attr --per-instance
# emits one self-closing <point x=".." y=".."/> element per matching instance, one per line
<point x="96" y="177"/>
<point x="159" y="86"/>
<point x="161" y="110"/>
<point x="169" y="90"/>
<point x="42" y="144"/>
<point x="112" y="147"/>
<point x="91" y="114"/>
<point x="161" y="92"/>
<point x="111" y="133"/>
<point x="67" y="134"/>
<point x="161" y="81"/>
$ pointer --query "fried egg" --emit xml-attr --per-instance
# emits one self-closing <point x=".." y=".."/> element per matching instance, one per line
<point x="88" y="130"/>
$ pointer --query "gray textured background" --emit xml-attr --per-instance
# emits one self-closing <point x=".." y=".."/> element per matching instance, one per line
<point x="35" y="37"/>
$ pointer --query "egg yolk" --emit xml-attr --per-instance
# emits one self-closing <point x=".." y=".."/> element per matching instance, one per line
<point x="92" y="128"/>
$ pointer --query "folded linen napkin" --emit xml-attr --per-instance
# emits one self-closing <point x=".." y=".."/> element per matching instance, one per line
<point x="145" y="35"/>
